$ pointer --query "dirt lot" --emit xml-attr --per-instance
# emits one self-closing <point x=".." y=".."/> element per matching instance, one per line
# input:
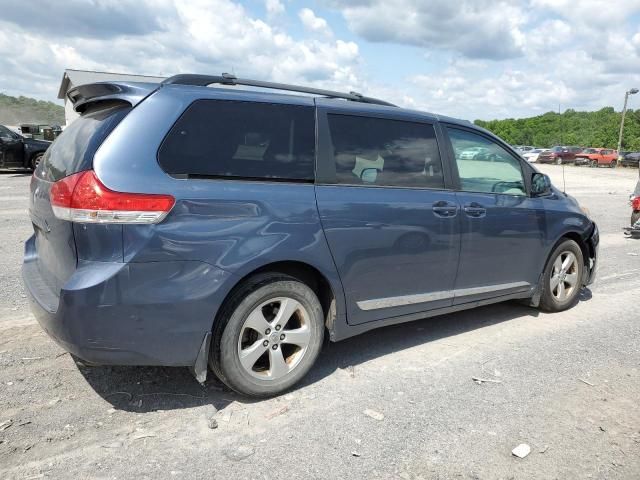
<point x="569" y="387"/>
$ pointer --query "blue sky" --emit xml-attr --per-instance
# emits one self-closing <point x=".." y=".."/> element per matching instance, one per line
<point x="471" y="59"/>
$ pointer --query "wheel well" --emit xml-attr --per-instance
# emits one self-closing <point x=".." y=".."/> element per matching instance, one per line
<point x="32" y="156"/>
<point x="586" y="254"/>
<point x="308" y="275"/>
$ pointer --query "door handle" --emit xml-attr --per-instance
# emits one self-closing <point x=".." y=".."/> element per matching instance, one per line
<point x="475" y="210"/>
<point x="445" y="209"/>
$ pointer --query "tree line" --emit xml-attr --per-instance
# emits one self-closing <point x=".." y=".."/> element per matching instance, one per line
<point x="19" y="110"/>
<point x="586" y="129"/>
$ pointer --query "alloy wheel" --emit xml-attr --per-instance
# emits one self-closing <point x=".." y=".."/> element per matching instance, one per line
<point x="274" y="338"/>
<point x="564" y="276"/>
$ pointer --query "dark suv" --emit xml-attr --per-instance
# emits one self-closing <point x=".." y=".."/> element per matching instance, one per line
<point x="185" y="225"/>
<point x="559" y="155"/>
<point x="17" y="151"/>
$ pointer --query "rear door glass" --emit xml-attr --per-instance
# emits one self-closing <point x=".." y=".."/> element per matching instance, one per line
<point x="378" y="151"/>
<point x="250" y="140"/>
<point x="74" y="149"/>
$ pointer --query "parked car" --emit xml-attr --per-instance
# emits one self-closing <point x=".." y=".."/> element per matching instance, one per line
<point x="186" y="225"/>
<point x="524" y="148"/>
<point x="17" y="151"/>
<point x="634" y="201"/>
<point x="559" y="155"/>
<point x="532" y="155"/>
<point x="595" y="157"/>
<point x="630" y="159"/>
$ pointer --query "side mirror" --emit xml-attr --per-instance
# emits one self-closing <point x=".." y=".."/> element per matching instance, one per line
<point x="369" y="175"/>
<point x="540" y="185"/>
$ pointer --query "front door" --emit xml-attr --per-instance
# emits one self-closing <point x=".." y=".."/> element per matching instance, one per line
<point x="502" y="228"/>
<point x="390" y="222"/>
<point x="11" y="148"/>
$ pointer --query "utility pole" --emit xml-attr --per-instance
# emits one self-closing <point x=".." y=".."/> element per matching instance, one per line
<point x="633" y="91"/>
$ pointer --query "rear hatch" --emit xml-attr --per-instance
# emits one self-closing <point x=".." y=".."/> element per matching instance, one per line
<point x="54" y="243"/>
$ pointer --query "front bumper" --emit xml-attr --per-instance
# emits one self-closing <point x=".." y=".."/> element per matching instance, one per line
<point x="593" y="243"/>
<point x="128" y="313"/>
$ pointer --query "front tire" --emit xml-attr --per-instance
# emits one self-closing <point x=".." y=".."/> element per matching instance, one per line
<point x="268" y="335"/>
<point x="35" y="161"/>
<point x="562" y="278"/>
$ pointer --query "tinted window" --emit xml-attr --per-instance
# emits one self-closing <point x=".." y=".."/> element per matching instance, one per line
<point x="484" y="166"/>
<point x="73" y="150"/>
<point x="5" y="133"/>
<point x="377" y="151"/>
<point x="241" y="139"/>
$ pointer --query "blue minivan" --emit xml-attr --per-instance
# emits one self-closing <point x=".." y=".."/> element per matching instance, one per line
<point x="232" y="228"/>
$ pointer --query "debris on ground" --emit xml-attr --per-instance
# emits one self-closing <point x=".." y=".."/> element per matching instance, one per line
<point x="373" y="414"/>
<point x="6" y="424"/>
<point x="278" y="412"/>
<point x="588" y="383"/>
<point x="213" y="423"/>
<point x="240" y="453"/>
<point x="355" y="454"/>
<point x="480" y="381"/>
<point x="521" y="450"/>
<point x="143" y="435"/>
<point x="544" y="449"/>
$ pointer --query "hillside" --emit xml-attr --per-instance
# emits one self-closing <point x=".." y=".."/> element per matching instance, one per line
<point x="18" y="110"/>
<point x="588" y="129"/>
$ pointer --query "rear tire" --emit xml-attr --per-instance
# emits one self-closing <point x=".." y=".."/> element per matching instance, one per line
<point x="562" y="277"/>
<point x="267" y="336"/>
<point x="35" y="161"/>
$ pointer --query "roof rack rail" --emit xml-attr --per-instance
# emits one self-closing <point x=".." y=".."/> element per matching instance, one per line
<point x="229" y="79"/>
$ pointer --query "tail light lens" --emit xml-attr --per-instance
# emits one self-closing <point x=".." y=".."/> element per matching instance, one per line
<point x="635" y="203"/>
<point x="83" y="198"/>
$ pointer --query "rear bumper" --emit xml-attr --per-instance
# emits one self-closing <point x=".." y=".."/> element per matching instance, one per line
<point x="128" y="313"/>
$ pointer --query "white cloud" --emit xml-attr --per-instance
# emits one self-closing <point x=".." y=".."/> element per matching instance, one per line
<point x="274" y="7"/>
<point x="314" y="23"/>
<point x="474" y="59"/>
<point x="475" y="28"/>
<point x="200" y="36"/>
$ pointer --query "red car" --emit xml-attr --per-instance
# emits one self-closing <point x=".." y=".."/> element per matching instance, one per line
<point x="559" y="155"/>
<point x="595" y="157"/>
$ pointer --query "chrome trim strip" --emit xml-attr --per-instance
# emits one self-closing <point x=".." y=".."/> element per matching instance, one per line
<point x="403" y="300"/>
<point x="388" y="302"/>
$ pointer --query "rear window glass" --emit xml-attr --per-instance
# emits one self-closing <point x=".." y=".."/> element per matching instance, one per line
<point x="74" y="149"/>
<point x="220" y="138"/>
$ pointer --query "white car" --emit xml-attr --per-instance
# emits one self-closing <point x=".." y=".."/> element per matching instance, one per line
<point x="532" y="155"/>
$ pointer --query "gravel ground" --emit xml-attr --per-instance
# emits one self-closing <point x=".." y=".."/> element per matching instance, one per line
<point x="569" y="387"/>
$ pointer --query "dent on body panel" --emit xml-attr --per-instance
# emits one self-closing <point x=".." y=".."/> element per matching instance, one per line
<point x="232" y="227"/>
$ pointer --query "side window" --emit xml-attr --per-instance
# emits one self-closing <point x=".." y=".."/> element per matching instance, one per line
<point x="376" y="151"/>
<point x="484" y="166"/>
<point x="5" y="133"/>
<point x="241" y="139"/>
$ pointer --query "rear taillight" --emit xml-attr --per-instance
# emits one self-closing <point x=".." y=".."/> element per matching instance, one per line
<point x="635" y="203"/>
<point x="83" y="198"/>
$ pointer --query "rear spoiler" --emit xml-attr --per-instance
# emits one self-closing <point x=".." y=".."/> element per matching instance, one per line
<point x="132" y="93"/>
